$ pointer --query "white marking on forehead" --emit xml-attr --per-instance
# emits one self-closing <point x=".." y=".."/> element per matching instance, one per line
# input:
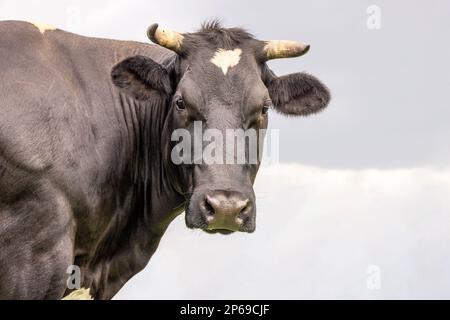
<point x="43" y="26"/>
<point x="226" y="59"/>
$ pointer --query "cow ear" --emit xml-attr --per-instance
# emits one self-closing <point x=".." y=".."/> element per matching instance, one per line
<point x="298" y="94"/>
<point x="142" y="78"/>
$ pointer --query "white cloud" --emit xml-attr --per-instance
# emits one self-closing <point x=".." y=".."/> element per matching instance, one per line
<point x="318" y="232"/>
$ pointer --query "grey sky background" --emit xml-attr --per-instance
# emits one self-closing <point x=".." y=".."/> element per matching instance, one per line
<point x="361" y="196"/>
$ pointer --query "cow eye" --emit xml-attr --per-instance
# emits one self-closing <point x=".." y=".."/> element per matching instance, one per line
<point x="180" y="104"/>
<point x="265" y="109"/>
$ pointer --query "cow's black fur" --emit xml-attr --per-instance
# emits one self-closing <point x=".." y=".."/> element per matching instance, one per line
<point x="85" y="173"/>
<point x="212" y="33"/>
<point x="138" y="74"/>
<point x="296" y="93"/>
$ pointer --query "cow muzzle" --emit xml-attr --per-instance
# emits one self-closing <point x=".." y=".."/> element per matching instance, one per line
<point x="221" y="211"/>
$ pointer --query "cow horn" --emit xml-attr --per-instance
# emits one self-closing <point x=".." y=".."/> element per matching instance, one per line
<point x="276" y="49"/>
<point x="167" y="38"/>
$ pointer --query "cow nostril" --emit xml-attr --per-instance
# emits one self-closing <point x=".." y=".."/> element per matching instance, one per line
<point x="244" y="206"/>
<point x="209" y="205"/>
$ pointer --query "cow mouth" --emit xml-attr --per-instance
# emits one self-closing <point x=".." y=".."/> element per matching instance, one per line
<point x="220" y="231"/>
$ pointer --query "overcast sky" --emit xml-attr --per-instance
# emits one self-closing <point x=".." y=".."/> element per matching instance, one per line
<point x="321" y="233"/>
<point x="365" y="196"/>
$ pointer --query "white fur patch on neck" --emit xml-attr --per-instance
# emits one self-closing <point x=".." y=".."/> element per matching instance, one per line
<point x="80" y="294"/>
<point x="226" y="59"/>
<point x="43" y="26"/>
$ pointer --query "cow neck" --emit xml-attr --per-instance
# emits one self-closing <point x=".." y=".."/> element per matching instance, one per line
<point x="146" y="165"/>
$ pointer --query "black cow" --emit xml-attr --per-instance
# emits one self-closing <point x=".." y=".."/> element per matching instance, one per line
<point x="86" y="175"/>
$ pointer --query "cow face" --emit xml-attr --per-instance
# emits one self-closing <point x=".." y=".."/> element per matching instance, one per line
<point x="219" y="90"/>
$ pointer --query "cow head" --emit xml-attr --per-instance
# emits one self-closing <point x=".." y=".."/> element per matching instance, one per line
<point x="217" y="84"/>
